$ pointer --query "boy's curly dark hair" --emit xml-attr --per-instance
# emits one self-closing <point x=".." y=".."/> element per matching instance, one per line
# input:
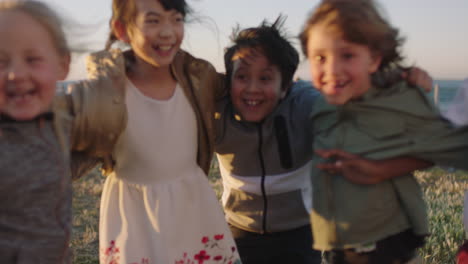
<point x="272" y="42"/>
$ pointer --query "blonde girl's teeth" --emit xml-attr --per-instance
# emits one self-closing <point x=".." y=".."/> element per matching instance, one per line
<point x="164" y="48"/>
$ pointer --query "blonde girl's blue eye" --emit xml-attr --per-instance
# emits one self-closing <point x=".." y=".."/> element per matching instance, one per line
<point x="319" y="58"/>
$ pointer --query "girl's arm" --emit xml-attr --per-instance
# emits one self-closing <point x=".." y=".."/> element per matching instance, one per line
<point x="365" y="171"/>
<point x="98" y="109"/>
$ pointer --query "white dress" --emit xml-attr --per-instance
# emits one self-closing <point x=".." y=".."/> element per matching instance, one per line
<point x="158" y="206"/>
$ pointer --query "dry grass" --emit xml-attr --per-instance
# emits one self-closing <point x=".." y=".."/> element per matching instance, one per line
<point x="443" y="190"/>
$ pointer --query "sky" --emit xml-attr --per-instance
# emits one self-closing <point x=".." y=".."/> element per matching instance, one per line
<point x="435" y="30"/>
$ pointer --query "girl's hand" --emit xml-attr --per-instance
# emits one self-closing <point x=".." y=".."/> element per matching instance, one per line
<point x="360" y="170"/>
<point x="418" y="77"/>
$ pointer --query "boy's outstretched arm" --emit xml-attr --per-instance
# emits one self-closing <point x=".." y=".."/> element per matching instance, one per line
<point x="365" y="171"/>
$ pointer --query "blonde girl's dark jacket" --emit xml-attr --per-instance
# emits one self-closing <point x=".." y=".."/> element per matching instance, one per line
<point x="35" y="189"/>
<point x="98" y="107"/>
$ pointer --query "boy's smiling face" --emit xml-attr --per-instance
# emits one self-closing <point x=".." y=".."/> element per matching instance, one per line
<point x="255" y="85"/>
<point x="340" y="69"/>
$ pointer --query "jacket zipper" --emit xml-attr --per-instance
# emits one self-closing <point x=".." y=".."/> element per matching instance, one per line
<point x="262" y="166"/>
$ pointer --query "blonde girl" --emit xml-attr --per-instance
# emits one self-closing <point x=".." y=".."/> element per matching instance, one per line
<point x="157" y="205"/>
<point x="374" y="217"/>
<point x="35" y="182"/>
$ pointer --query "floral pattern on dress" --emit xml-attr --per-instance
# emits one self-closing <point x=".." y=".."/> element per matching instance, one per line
<point x="209" y="252"/>
<point x="210" y="246"/>
<point x="110" y="255"/>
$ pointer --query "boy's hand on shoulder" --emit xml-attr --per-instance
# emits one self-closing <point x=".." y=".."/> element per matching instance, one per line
<point x="360" y="170"/>
<point x="353" y="167"/>
<point x="418" y="77"/>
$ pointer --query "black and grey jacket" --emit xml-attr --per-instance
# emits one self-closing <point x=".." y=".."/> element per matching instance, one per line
<point x="265" y="166"/>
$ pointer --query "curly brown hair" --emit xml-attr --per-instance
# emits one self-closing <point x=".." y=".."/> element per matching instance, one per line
<point x="360" y="22"/>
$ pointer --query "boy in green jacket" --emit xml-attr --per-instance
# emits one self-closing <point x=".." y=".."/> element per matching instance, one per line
<point x="371" y="217"/>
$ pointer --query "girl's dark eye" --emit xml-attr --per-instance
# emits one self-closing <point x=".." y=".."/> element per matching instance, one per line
<point x="241" y="76"/>
<point x="348" y="56"/>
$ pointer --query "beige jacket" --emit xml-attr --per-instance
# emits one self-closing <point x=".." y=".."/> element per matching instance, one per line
<point x="98" y="107"/>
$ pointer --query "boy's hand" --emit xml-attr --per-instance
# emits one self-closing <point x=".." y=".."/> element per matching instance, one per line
<point x="352" y="167"/>
<point x="418" y="77"/>
<point x="360" y="170"/>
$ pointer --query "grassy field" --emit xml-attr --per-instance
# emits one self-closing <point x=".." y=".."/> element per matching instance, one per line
<point x="443" y="192"/>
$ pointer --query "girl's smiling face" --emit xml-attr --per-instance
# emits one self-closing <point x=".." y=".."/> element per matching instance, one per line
<point x="156" y="34"/>
<point x="30" y="66"/>
<point x="340" y="70"/>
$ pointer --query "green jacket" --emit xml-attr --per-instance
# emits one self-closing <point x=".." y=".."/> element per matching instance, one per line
<point x="385" y="123"/>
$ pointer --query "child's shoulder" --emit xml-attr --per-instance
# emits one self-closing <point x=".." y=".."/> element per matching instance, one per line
<point x="303" y="91"/>
<point x="186" y="59"/>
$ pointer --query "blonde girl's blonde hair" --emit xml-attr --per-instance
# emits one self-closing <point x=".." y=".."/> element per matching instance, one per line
<point x="43" y="14"/>
<point x="360" y="22"/>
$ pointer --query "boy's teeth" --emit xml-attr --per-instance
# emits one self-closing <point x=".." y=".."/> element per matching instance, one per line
<point x="164" y="48"/>
<point x="251" y="103"/>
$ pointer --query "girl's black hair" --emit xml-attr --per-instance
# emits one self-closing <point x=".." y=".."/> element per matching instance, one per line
<point x="124" y="11"/>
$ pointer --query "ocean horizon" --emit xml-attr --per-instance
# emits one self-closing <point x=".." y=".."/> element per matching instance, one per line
<point x="447" y="90"/>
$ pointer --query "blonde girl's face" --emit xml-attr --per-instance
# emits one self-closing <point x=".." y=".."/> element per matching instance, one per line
<point x="30" y="66"/>
<point x="157" y="33"/>
<point x="340" y="69"/>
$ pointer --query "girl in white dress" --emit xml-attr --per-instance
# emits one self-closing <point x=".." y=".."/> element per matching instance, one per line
<point x="157" y="205"/>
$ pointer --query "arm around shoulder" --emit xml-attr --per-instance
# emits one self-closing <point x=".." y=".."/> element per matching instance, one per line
<point x="98" y="109"/>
